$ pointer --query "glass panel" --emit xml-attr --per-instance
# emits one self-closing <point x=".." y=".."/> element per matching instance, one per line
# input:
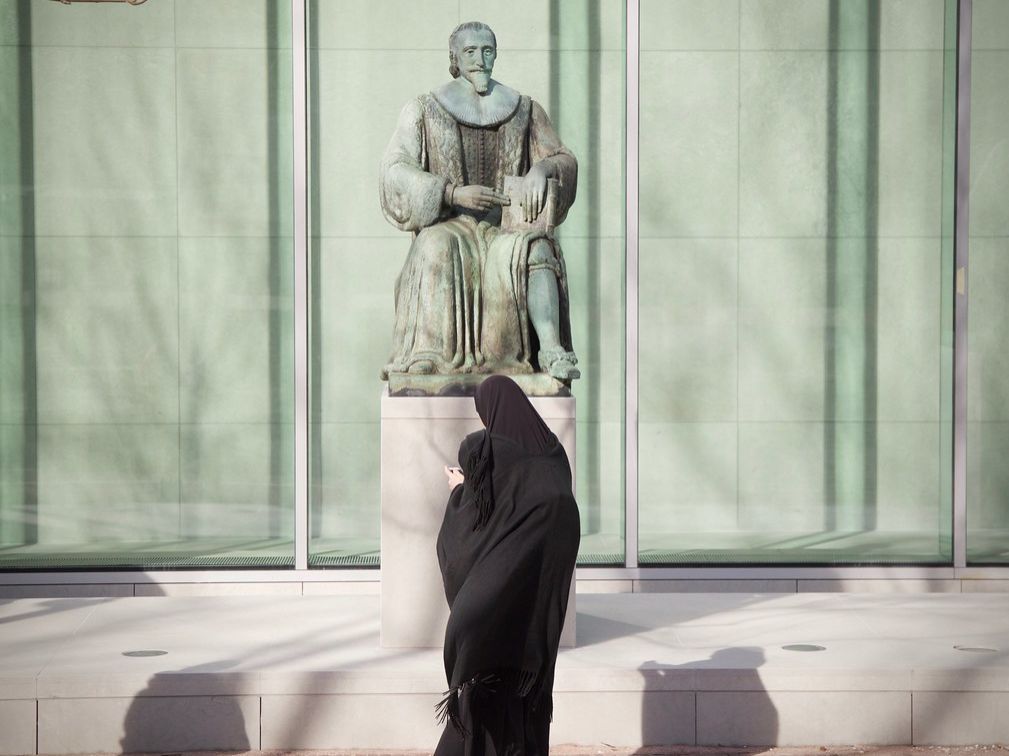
<point x="145" y="285"/>
<point x="569" y="57"/>
<point x="795" y="335"/>
<point x="988" y="336"/>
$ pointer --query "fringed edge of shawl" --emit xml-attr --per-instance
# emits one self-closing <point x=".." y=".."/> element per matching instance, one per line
<point x="448" y="706"/>
<point x="530" y="684"/>
<point x="526" y="683"/>
<point x="481" y="464"/>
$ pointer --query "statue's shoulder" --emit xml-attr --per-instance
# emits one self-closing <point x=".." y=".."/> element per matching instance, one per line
<point x="418" y="104"/>
<point x="423" y="112"/>
<point x="428" y="106"/>
<point x="537" y="110"/>
<point x="532" y="109"/>
<point x="412" y="112"/>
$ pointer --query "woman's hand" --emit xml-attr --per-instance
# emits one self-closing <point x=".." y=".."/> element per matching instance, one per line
<point x="480" y="198"/>
<point x="455" y="477"/>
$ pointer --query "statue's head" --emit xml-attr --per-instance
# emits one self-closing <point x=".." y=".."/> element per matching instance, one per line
<point x="472" y="50"/>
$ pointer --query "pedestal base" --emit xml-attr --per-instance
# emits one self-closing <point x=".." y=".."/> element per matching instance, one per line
<point x="419" y="436"/>
<point x="465" y="384"/>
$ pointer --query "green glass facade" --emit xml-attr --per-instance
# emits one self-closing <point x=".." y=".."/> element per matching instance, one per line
<point x="796" y="338"/>
<point x="569" y="57"/>
<point x="147" y="415"/>
<point x="988" y="277"/>
<point x="794" y="300"/>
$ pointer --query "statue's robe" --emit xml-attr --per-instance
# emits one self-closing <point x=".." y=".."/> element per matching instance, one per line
<point x="461" y="297"/>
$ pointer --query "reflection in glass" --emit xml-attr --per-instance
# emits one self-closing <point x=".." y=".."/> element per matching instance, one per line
<point x="795" y="359"/>
<point x="146" y="416"/>
<point x="988" y="276"/>
<point x="567" y="56"/>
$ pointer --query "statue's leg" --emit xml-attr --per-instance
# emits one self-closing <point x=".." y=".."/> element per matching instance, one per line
<point x="545" y="311"/>
<point x="544" y="301"/>
<point x="429" y="342"/>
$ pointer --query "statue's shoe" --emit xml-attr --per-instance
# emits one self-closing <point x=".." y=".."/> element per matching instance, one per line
<point x="563" y="370"/>
<point x="560" y="364"/>
<point x="421" y="367"/>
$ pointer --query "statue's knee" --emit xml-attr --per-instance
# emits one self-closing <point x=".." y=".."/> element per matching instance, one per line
<point x="435" y="245"/>
<point x="541" y="251"/>
<point x="542" y="257"/>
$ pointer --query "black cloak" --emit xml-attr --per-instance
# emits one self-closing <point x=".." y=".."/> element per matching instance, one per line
<point x="507" y="550"/>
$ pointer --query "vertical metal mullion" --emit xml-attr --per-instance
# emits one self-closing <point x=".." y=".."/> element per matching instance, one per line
<point x="631" y="288"/>
<point x="960" y="299"/>
<point x="300" y="188"/>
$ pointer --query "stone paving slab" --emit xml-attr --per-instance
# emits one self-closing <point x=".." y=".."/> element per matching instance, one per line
<point x="307" y="672"/>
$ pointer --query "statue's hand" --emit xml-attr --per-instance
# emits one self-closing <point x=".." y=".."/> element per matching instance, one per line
<point x="534" y="192"/>
<point x="475" y="197"/>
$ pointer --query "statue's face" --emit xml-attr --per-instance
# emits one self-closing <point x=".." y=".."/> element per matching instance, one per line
<point x="475" y="55"/>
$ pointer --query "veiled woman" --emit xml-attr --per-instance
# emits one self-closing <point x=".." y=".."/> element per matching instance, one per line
<point x="507" y="551"/>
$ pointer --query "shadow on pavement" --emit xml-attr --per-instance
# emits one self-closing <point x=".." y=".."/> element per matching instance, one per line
<point x="671" y="690"/>
<point x="161" y="720"/>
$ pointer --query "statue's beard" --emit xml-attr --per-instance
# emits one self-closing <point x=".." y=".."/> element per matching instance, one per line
<point x="480" y="81"/>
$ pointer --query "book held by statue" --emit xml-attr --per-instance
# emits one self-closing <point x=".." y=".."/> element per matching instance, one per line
<point x="512" y="216"/>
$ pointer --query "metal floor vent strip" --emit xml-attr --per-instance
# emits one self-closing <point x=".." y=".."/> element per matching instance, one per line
<point x="798" y="558"/>
<point x="143" y="559"/>
<point x="148" y="559"/>
<point x="344" y="560"/>
<point x="613" y="559"/>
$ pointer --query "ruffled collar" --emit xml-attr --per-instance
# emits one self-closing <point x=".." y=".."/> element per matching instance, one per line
<point x="481" y="111"/>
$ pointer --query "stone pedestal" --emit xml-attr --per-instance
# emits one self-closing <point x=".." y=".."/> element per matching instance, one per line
<point x="419" y="436"/>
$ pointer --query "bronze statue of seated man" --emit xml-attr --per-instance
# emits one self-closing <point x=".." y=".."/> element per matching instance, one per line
<point x="475" y="296"/>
